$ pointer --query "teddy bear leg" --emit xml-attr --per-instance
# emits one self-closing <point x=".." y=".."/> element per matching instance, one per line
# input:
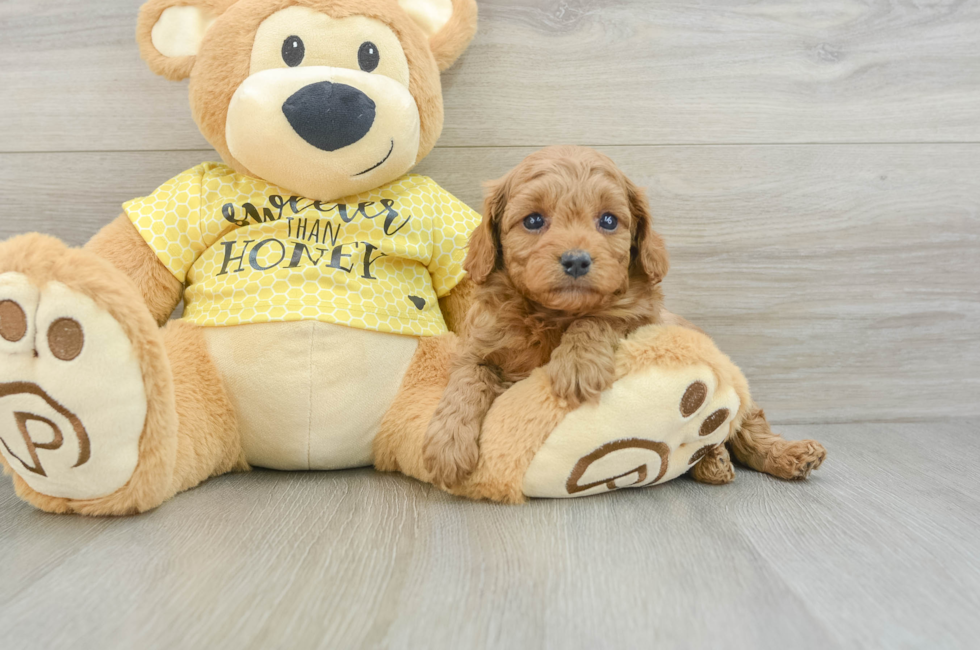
<point x="398" y="445"/>
<point x="755" y="445"/>
<point x="675" y="401"/>
<point x="209" y="442"/>
<point x="89" y="387"/>
<point x="675" y="396"/>
<point x="526" y="414"/>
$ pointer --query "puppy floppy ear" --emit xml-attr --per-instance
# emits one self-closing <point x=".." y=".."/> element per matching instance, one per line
<point x="484" y="256"/>
<point x="449" y="24"/>
<point x="169" y="33"/>
<point x="648" y="253"/>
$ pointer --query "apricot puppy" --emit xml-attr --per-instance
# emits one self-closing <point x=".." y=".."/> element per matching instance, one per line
<point x="566" y="265"/>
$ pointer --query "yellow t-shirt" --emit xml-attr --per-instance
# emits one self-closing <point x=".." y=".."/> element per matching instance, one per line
<point x="249" y="252"/>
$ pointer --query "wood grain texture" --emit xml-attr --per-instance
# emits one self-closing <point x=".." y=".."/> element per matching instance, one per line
<point x="843" y="279"/>
<point x="877" y="550"/>
<point x="588" y="71"/>
<point x="813" y="167"/>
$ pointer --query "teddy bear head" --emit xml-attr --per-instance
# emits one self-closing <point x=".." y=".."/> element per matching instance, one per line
<point x="325" y="98"/>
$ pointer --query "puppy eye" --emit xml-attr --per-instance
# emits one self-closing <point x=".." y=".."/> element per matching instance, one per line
<point x="293" y="51"/>
<point x="608" y="221"/>
<point x="368" y="56"/>
<point x="534" y="222"/>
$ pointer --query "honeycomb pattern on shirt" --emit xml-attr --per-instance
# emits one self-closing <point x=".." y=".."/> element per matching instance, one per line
<point x="250" y="252"/>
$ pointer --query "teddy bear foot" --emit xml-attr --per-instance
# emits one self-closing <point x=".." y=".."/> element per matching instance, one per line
<point x="73" y="403"/>
<point x="650" y="427"/>
<point x="678" y="404"/>
<point x="58" y="432"/>
<point x="675" y="401"/>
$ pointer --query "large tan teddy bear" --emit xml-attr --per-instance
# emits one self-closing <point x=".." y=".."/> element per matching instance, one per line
<point x="321" y="281"/>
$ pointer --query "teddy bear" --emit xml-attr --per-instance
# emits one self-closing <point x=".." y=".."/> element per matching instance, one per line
<point x="322" y="282"/>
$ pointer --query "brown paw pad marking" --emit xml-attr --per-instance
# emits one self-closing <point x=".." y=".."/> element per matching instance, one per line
<point x="661" y="449"/>
<point x="13" y="321"/>
<point x="66" y="339"/>
<point x="712" y="422"/>
<point x="700" y="453"/>
<point x="58" y="438"/>
<point x="693" y="398"/>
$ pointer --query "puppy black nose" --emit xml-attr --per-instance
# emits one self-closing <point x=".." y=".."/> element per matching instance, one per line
<point x="329" y="116"/>
<point x="576" y="263"/>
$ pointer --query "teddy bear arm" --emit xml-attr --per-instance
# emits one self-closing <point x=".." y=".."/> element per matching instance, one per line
<point x="121" y="244"/>
<point x="457" y="303"/>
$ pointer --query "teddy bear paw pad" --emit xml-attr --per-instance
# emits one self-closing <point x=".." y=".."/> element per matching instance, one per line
<point x="651" y="426"/>
<point x="72" y="401"/>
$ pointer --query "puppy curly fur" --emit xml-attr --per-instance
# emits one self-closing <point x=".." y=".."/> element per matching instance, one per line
<point x="529" y="311"/>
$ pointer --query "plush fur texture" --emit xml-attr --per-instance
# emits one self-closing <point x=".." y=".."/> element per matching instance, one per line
<point x="519" y="322"/>
<point x="190" y="431"/>
<point x="753" y="443"/>
<point x="397" y="447"/>
<point x="120" y="243"/>
<point x="457" y="304"/>
<point x="208" y="442"/>
<point x="516" y="426"/>
<point x="522" y="418"/>
<point x="452" y="40"/>
<point x="529" y="312"/>
<point x="222" y="62"/>
<point x="44" y="259"/>
<point x="173" y="68"/>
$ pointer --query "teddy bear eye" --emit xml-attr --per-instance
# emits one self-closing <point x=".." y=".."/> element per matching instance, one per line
<point x="293" y="51"/>
<point x="368" y="56"/>
<point x="608" y="222"/>
<point x="534" y="222"/>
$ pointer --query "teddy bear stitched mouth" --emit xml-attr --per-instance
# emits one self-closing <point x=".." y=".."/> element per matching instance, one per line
<point x="383" y="160"/>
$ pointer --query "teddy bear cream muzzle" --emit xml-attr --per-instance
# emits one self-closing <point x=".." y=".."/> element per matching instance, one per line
<point x="323" y="132"/>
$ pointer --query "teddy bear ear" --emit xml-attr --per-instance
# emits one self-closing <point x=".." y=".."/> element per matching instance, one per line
<point x="449" y="24"/>
<point x="169" y="33"/>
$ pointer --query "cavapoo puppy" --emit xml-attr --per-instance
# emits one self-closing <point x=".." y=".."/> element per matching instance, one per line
<point x="567" y="264"/>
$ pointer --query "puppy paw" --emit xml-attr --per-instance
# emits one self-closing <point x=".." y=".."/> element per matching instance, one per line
<point x="796" y="459"/>
<point x="715" y="466"/>
<point x="581" y="378"/>
<point x="450" y="451"/>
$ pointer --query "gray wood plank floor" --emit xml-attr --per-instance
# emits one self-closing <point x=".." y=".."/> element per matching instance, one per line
<point x="813" y="167"/>
<point x="878" y="550"/>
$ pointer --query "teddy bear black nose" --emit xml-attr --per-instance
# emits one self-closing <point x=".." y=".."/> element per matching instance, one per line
<point x="329" y="115"/>
<point x="576" y="263"/>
